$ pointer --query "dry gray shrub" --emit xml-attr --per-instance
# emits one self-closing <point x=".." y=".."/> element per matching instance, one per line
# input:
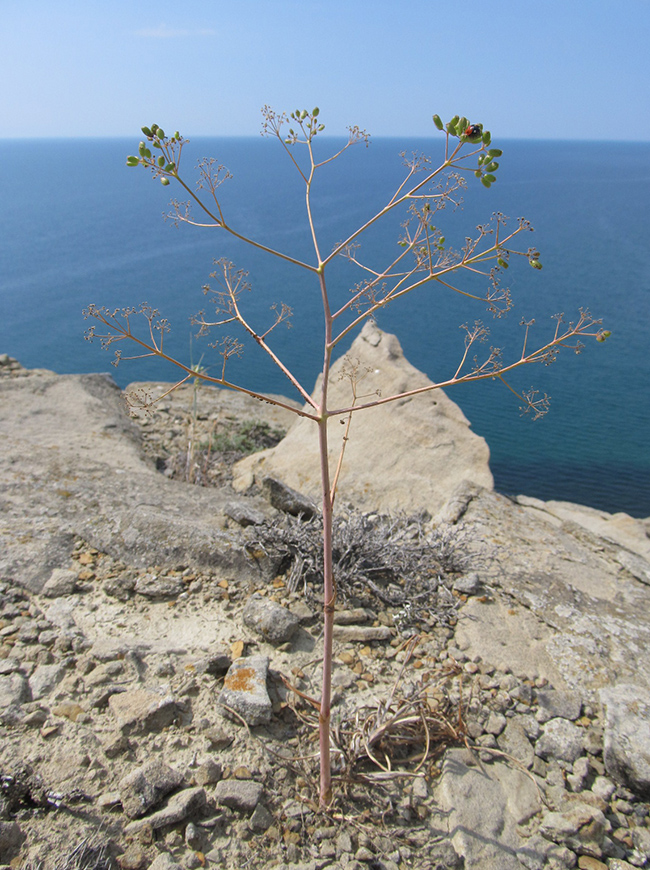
<point x="398" y="561"/>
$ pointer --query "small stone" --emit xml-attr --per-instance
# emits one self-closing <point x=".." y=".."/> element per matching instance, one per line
<point x="36" y="718"/>
<point x="68" y="710"/>
<point x="243" y="514"/>
<point x="351" y="617"/>
<point x="61" y="582"/>
<point x="302" y="611"/>
<point x="164" y="861"/>
<point x="109" y="800"/>
<point x="45" y="679"/>
<point x="514" y="741"/>
<point x="11" y="838"/>
<point x="154" y="586"/>
<point x="495" y="724"/>
<point x="192" y="836"/>
<point x="580" y="828"/>
<point x="215" y="664"/>
<point x="419" y="789"/>
<point x="237" y="649"/>
<point x="145" y="787"/>
<point x="561" y="857"/>
<point x="530" y="725"/>
<point x="261" y="820"/>
<point x="219" y="739"/>
<point x="560" y="739"/>
<point x="208" y="772"/>
<point x="362" y="633"/>
<point x="177" y="808"/>
<point x="585" y="862"/>
<point x="285" y="499"/>
<point x="240" y="795"/>
<point x="276" y="624"/>
<point x="468" y="584"/>
<point x="48" y="637"/>
<point x="578" y="777"/>
<point x="641" y="840"/>
<point x="532" y="855"/>
<point x="553" y="704"/>
<point x="116" y="745"/>
<point x="141" y="710"/>
<point x="343" y="844"/>
<point x="244" y="690"/>
<point x="49" y="731"/>
<point x="14" y="689"/>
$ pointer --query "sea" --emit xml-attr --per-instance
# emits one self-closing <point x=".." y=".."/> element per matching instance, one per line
<point x="77" y="226"/>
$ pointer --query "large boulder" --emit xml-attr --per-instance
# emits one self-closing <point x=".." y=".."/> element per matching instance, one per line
<point x="405" y="455"/>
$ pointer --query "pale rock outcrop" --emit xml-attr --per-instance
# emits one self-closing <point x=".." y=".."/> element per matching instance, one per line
<point x="72" y="465"/>
<point x="567" y="610"/>
<point x="411" y="453"/>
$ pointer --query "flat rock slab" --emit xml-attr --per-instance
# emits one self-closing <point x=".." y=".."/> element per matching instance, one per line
<point x="564" y="608"/>
<point x="141" y="710"/>
<point x="244" y="690"/>
<point x="481" y="809"/>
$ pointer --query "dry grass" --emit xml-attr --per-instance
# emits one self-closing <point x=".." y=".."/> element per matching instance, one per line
<point x="402" y="735"/>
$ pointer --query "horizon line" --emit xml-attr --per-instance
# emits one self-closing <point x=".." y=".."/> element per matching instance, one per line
<point x="121" y="137"/>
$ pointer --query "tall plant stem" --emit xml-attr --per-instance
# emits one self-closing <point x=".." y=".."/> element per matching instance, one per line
<point x="329" y="587"/>
<point x="329" y="598"/>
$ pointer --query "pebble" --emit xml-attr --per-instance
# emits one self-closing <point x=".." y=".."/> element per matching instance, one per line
<point x="241" y="795"/>
<point x="552" y="704"/>
<point x="178" y="807"/>
<point x="361" y="633"/>
<point x="273" y="622"/>
<point x="560" y="739"/>
<point x="146" y="786"/>
<point x="244" y="690"/>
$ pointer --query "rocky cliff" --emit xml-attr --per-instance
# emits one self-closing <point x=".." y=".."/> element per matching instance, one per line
<point x="132" y="604"/>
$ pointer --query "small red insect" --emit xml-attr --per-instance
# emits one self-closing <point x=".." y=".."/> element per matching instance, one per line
<point x="472" y="130"/>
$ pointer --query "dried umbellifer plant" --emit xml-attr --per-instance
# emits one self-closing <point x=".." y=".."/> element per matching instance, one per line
<point x="422" y="256"/>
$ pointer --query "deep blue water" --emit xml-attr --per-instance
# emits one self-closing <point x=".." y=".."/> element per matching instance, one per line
<point x="77" y="226"/>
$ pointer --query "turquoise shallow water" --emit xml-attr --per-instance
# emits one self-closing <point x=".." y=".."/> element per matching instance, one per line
<point x="77" y="226"/>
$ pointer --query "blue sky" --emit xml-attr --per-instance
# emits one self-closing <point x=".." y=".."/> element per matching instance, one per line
<point x="525" y="68"/>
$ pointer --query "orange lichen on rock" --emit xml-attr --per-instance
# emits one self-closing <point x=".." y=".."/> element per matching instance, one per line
<point x="241" y="680"/>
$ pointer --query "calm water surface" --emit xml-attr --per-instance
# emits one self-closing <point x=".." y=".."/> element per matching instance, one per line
<point x="77" y="226"/>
